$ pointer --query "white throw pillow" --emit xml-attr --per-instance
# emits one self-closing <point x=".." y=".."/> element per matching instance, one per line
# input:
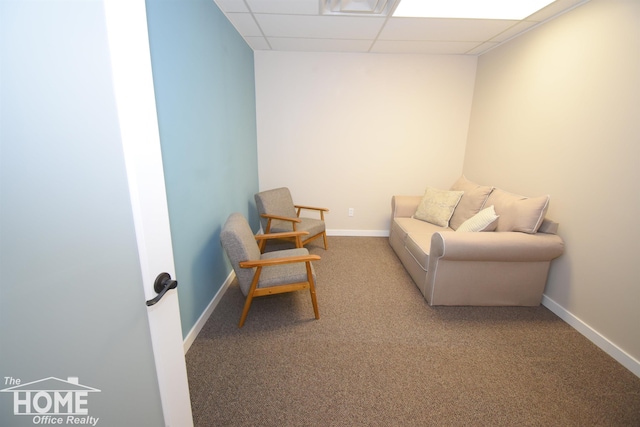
<point x="437" y="206"/>
<point x="485" y="220"/>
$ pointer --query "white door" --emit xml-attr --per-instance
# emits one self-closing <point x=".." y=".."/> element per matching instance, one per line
<point x="83" y="223"/>
<point x="135" y="99"/>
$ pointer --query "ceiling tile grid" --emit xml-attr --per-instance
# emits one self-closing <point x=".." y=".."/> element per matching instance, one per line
<point x="300" y="25"/>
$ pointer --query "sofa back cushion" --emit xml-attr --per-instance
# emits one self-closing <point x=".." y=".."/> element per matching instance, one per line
<point x="518" y="213"/>
<point x="472" y="201"/>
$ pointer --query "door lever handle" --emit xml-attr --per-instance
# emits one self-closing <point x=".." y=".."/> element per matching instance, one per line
<point x="162" y="284"/>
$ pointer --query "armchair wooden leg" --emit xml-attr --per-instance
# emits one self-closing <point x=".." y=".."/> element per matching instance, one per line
<point x="247" y="303"/>
<point x="312" y="290"/>
<point x="324" y="237"/>
<point x="245" y="310"/>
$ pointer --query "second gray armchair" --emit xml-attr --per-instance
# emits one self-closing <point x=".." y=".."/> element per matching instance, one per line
<point x="279" y="214"/>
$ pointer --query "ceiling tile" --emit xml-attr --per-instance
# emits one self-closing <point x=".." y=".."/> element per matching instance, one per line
<point x="553" y="9"/>
<point x="482" y="48"/>
<point x="330" y="27"/>
<point x="299" y="25"/>
<point x="232" y="5"/>
<point x="258" y="43"/>
<point x="514" y="30"/>
<point x="319" y="45"/>
<point x="245" y="24"/>
<point x="285" y="7"/>
<point x="426" y="47"/>
<point x="443" y="29"/>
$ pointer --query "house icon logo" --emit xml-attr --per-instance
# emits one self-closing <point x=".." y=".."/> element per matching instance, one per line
<point x="52" y="400"/>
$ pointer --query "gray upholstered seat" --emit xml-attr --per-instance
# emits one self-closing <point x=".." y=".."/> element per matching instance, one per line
<point x="278" y="213"/>
<point x="270" y="273"/>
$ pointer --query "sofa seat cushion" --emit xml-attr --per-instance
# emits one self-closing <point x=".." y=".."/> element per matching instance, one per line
<point x="404" y="226"/>
<point x="416" y="236"/>
<point x="419" y="245"/>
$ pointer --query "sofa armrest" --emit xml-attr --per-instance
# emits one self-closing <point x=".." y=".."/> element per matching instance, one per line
<point x="404" y="206"/>
<point x="495" y="246"/>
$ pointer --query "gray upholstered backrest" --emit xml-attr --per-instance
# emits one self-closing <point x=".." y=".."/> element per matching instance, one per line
<point x="240" y="245"/>
<point x="275" y="202"/>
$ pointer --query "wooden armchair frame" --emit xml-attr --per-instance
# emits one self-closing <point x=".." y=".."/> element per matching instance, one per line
<point x="295" y="221"/>
<point x="254" y="291"/>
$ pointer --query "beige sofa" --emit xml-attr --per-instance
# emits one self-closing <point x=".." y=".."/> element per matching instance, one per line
<point x="506" y="263"/>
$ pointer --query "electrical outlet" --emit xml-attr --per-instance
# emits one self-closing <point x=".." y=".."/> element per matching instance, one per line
<point x="350" y="211"/>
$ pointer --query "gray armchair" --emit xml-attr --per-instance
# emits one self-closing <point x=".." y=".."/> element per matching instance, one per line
<point x="279" y="214"/>
<point x="271" y="273"/>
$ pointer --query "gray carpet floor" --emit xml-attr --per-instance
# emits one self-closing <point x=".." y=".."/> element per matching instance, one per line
<point x="381" y="356"/>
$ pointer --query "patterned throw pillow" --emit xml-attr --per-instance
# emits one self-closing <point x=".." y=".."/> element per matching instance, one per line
<point x="437" y="206"/>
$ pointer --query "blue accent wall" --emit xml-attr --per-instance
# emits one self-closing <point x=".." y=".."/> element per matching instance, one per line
<point x="204" y="82"/>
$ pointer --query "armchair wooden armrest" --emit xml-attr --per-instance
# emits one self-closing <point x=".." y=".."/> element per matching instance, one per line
<point x="313" y="208"/>
<point x="282" y="218"/>
<point x="321" y="211"/>
<point x="296" y="235"/>
<point x="262" y="241"/>
<point x="279" y="261"/>
<point x="284" y="235"/>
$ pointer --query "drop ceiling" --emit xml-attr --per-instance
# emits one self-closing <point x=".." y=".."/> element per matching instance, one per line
<point x="300" y="25"/>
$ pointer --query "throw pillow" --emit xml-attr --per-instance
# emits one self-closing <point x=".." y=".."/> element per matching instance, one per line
<point x="485" y="220"/>
<point x="437" y="206"/>
<point x="526" y="215"/>
<point x="472" y="200"/>
<point x="518" y="213"/>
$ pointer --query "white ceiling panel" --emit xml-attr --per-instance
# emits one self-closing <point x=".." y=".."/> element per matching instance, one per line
<point x="229" y="6"/>
<point x="245" y="24"/>
<point x="427" y="47"/>
<point x="327" y="27"/>
<point x="554" y="9"/>
<point x="518" y="28"/>
<point x="319" y="45"/>
<point x="481" y="48"/>
<point x="285" y="7"/>
<point x="258" y="43"/>
<point x="460" y="30"/>
<point x="300" y="25"/>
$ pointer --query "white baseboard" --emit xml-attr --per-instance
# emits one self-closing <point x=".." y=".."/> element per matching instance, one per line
<point x="193" y="333"/>
<point x="359" y="233"/>
<point x="594" y="336"/>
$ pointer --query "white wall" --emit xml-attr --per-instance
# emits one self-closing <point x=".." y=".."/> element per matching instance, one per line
<point x="351" y="130"/>
<point x="558" y="111"/>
